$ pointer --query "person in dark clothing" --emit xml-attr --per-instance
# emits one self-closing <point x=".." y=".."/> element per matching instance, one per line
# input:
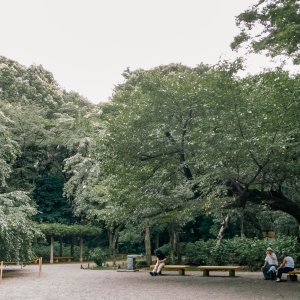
<point x="286" y="266"/>
<point x="160" y="262"/>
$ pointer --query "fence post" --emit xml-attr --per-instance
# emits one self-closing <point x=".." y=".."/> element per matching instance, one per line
<point x="51" y="249"/>
<point x="1" y="271"/>
<point x="40" y="260"/>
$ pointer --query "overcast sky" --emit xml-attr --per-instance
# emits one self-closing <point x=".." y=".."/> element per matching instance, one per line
<point x="87" y="44"/>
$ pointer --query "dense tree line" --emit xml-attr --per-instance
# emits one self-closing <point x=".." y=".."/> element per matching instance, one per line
<point x="33" y="112"/>
<point x="178" y="154"/>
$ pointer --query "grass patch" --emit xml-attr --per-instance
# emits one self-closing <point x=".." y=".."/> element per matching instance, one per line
<point x="103" y="268"/>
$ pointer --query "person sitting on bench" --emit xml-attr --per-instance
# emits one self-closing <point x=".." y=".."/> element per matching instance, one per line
<point x="286" y="266"/>
<point x="160" y="262"/>
<point x="270" y="261"/>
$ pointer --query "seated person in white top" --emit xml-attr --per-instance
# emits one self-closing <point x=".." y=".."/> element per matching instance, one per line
<point x="286" y="266"/>
<point x="271" y="263"/>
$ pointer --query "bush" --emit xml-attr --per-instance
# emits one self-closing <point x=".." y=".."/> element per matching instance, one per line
<point x="289" y="245"/>
<point x="239" y="251"/>
<point x="165" y="249"/>
<point x="141" y="264"/>
<point x="199" y="253"/>
<point x="98" y="255"/>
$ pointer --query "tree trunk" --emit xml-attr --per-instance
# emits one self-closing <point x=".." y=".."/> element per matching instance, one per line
<point x="148" y="245"/>
<point x="276" y="200"/>
<point x="242" y="219"/>
<point x="157" y="241"/>
<point x="113" y="238"/>
<point x="60" y="247"/>
<point x="72" y="247"/>
<point x="175" y="256"/>
<point x="81" y="249"/>
<point x="51" y="249"/>
<point x="224" y="226"/>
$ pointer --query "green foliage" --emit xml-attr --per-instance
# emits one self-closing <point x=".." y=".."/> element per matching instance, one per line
<point x="43" y="250"/>
<point x="239" y="251"/>
<point x="29" y="85"/>
<point x="165" y="248"/>
<point x="98" y="255"/>
<point x="174" y="142"/>
<point x="9" y="148"/>
<point x="183" y="140"/>
<point x="281" y="223"/>
<point x="279" y="23"/>
<point x="33" y="110"/>
<point x="141" y="264"/>
<point x="199" y="252"/>
<point x="63" y="230"/>
<point x="131" y="240"/>
<point x="48" y="195"/>
<point x="17" y="231"/>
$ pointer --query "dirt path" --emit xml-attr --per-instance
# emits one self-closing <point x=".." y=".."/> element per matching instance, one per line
<point x="68" y="281"/>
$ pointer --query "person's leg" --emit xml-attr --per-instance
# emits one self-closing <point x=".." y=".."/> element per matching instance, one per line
<point x="154" y="271"/>
<point x="281" y="271"/>
<point x="155" y="268"/>
<point x="265" y="270"/>
<point x="160" y="266"/>
<point x="272" y="272"/>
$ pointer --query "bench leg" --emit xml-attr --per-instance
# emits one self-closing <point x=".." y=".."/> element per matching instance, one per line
<point x="182" y="272"/>
<point x="205" y="273"/>
<point x="292" y="277"/>
<point x="231" y="273"/>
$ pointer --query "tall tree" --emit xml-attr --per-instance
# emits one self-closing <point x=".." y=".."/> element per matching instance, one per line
<point x="271" y="25"/>
<point x="203" y="135"/>
<point x="17" y="231"/>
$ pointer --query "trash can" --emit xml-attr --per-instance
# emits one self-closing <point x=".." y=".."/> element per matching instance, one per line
<point x="131" y="261"/>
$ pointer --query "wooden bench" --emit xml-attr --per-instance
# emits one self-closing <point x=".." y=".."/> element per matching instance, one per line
<point x="63" y="258"/>
<point x="231" y="269"/>
<point x="292" y="275"/>
<point x="180" y="268"/>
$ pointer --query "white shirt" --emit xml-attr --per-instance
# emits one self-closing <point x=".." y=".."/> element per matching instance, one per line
<point x="289" y="262"/>
<point x="271" y="259"/>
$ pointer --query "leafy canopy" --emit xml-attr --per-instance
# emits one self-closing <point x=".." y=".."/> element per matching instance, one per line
<point x="271" y="25"/>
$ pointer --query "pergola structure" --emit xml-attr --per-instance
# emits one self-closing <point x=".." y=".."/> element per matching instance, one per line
<point x="56" y="230"/>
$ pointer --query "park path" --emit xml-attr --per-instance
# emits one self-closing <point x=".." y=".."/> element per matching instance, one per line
<point x="68" y="281"/>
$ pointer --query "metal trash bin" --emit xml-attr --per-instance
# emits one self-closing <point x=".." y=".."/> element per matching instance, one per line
<point x="131" y="261"/>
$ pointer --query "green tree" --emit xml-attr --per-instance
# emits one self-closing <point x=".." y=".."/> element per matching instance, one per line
<point x="17" y="231"/>
<point x="40" y="113"/>
<point x="53" y="206"/>
<point x="181" y="136"/>
<point x="278" y="22"/>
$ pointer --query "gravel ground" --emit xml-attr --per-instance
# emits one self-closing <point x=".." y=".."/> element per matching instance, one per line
<point x="68" y="281"/>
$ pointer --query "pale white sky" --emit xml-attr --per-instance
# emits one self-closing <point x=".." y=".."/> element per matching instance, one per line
<point x="87" y="44"/>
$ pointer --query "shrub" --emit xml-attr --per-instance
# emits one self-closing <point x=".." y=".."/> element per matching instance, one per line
<point x="165" y="249"/>
<point x="141" y="264"/>
<point x="289" y="245"/>
<point x="98" y="255"/>
<point x="249" y="252"/>
<point x="199" y="253"/>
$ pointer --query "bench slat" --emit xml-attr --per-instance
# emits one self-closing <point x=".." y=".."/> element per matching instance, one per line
<point x="219" y="267"/>
<point x="294" y="272"/>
